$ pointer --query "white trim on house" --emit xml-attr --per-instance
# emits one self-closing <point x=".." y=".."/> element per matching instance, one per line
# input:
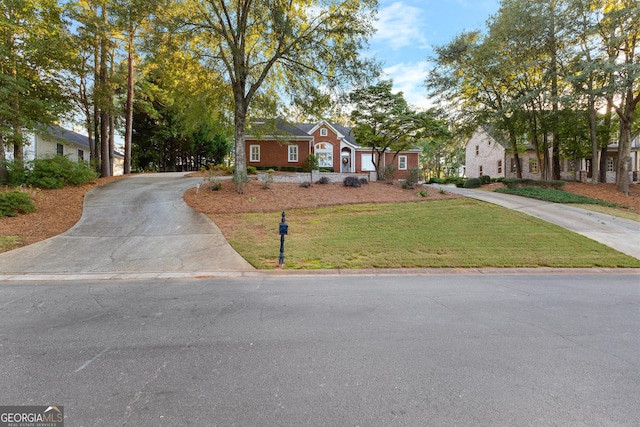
<point x="254" y="157"/>
<point x="402" y="163"/>
<point x="328" y="125"/>
<point x="293" y="153"/>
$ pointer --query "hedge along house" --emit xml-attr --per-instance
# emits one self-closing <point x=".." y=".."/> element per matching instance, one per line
<point x="56" y="141"/>
<point x="488" y="154"/>
<point x="281" y="146"/>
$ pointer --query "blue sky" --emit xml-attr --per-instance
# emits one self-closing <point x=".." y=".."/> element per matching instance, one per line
<point x="408" y="30"/>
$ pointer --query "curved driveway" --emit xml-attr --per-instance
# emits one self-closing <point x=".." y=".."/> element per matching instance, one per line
<point x="139" y="224"/>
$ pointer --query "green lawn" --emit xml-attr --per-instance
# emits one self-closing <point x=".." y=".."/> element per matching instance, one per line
<point x="448" y="233"/>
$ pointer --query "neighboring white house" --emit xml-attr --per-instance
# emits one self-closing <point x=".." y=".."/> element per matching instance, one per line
<point x="62" y="142"/>
<point x="488" y="154"/>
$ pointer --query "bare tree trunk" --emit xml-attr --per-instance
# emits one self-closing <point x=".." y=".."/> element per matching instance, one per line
<point x="593" y="136"/>
<point x="129" y="104"/>
<point x="104" y="115"/>
<point x="240" y="119"/>
<point x="112" y="142"/>
<point x="3" y="160"/>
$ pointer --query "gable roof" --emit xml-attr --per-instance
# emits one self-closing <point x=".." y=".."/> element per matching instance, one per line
<point x="284" y="129"/>
<point x="59" y="133"/>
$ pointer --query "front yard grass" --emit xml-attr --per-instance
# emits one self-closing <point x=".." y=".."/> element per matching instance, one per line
<point x="459" y="233"/>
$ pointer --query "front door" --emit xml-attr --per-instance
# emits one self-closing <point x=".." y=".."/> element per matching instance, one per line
<point x="345" y="162"/>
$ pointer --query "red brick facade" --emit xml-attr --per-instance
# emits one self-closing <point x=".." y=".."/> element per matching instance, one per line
<point x="334" y="150"/>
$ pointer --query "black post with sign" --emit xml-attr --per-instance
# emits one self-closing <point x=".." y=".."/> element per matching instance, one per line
<point x="284" y="230"/>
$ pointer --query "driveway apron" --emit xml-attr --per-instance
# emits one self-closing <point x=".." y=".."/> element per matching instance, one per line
<point x="139" y="224"/>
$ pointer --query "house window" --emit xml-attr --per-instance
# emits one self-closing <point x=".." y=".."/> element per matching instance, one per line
<point x="402" y="163"/>
<point x="610" y="164"/>
<point x="255" y="153"/>
<point x="367" y="163"/>
<point x="324" y="132"/>
<point x="499" y="167"/>
<point x="480" y="171"/>
<point x="514" y="168"/>
<point x="477" y="150"/>
<point x="324" y="153"/>
<point x="60" y="149"/>
<point x="571" y="165"/>
<point x="80" y="155"/>
<point x="533" y="165"/>
<point x="293" y="153"/>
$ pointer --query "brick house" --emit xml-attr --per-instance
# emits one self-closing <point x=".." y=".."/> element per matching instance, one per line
<point x="488" y="154"/>
<point x="284" y="146"/>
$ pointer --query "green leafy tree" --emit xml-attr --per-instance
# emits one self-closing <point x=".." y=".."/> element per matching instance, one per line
<point x="386" y="123"/>
<point x="267" y="46"/>
<point x="34" y="52"/>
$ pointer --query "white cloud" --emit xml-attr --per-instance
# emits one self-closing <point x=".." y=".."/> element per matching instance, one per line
<point x="408" y="78"/>
<point x="400" y="25"/>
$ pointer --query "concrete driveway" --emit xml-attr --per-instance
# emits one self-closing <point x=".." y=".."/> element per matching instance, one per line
<point x="139" y="224"/>
<point x="617" y="233"/>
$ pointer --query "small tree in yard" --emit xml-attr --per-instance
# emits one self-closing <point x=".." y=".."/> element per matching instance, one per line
<point x="386" y="123"/>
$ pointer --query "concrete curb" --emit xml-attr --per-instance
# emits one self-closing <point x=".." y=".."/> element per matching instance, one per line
<point x="310" y="273"/>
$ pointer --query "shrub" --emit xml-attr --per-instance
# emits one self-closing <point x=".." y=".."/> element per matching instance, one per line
<point x="412" y="179"/>
<point x="389" y="173"/>
<point x="364" y="181"/>
<point x="268" y="179"/>
<point x="251" y="170"/>
<point x="323" y="180"/>
<point x="473" y="183"/>
<point x="435" y="180"/>
<point x="352" y="181"/>
<point x="310" y="163"/>
<point x="485" y="179"/>
<point x="305" y="184"/>
<point x="58" y="171"/>
<point x="525" y="182"/>
<point x="16" y="174"/>
<point x="423" y="193"/>
<point x="13" y="203"/>
<point x="330" y="170"/>
<point x="214" y="186"/>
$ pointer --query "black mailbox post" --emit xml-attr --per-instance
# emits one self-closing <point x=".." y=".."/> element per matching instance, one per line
<point x="284" y="230"/>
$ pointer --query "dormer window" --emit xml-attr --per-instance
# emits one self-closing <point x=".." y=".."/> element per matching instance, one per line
<point x="324" y="132"/>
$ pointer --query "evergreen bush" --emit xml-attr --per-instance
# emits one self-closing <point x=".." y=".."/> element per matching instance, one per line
<point x="58" y="171"/>
<point x="13" y="203"/>
<point x="473" y="183"/>
<point x="352" y="181"/>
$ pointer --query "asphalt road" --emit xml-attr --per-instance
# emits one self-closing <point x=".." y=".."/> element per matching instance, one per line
<point x="438" y="350"/>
